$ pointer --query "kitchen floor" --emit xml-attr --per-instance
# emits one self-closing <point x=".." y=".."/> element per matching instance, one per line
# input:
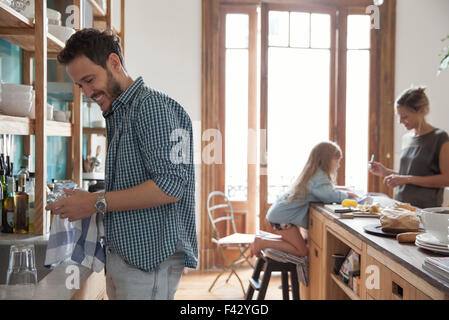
<point x="195" y="285"/>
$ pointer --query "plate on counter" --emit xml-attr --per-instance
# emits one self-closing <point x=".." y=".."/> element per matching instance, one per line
<point x="432" y="248"/>
<point x="376" y="229"/>
<point x="430" y="240"/>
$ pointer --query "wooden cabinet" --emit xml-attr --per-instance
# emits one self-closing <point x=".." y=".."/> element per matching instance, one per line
<point x="315" y="272"/>
<point x="315" y="240"/>
<point x="381" y="277"/>
<point x="384" y="284"/>
<point x="316" y="227"/>
<point x="375" y="276"/>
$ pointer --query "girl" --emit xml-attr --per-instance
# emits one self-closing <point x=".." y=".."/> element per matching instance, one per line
<point x="424" y="167"/>
<point x="315" y="184"/>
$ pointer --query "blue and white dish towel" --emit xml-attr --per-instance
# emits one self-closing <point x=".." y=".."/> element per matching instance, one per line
<point x="81" y="242"/>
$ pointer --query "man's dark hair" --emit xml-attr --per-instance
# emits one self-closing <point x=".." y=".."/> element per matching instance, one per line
<point x="94" y="44"/>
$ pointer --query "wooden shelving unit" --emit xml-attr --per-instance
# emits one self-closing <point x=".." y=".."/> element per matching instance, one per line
<point x="39" y="45"/>
<point x="25" y="127"/>
<point x="20" y="31"/>
<point x="348" y="291"/>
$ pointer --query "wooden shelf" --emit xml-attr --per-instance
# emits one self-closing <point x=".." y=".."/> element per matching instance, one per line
<point x="26" y="127"/>
<point x="98" y="11"/>
<point x="16" y="125"/>
<point x="348" y="291"/>
<point x="19" y="30"/>
<point x="100" y="131"/>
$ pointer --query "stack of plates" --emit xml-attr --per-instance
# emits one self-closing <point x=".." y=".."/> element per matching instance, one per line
<point x="429" y="242"/>
<point x="17" y="100"/>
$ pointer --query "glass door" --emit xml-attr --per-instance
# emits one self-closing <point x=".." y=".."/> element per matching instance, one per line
<point x="296" y="110"/>
<point x="239" y="112"/>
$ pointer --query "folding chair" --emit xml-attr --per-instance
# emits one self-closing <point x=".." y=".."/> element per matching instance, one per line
<point x="240" y="240"/>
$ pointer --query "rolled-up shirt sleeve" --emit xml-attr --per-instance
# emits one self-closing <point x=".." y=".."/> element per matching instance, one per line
<point x="155" y="124"/>
<point x="325" y="191"/>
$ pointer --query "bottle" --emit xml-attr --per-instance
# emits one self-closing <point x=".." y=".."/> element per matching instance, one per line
<point x="24" y="170"/>
<point x="21" y="211"/>
<point x="30" y="191"/>
<point x="8" y="207"/>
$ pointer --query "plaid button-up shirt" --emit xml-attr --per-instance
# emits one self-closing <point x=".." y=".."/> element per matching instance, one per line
<point x="145" y="129"/>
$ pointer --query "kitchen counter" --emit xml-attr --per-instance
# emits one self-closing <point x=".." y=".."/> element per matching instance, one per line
<point x="52" y="287"/>
<point x="406" y="255"/>
<point x="11" y="238"/>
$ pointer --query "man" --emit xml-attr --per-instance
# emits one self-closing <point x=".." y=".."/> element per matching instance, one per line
<point x="149" y="205"/>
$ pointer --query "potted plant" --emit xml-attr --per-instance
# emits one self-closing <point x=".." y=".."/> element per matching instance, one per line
<point x="445" y="54"/>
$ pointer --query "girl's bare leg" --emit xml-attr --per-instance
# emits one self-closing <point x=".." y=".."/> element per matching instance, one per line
<point x="291" y="242"/>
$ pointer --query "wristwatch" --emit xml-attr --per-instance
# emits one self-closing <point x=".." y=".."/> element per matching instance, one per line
<point x="101" y="204"/>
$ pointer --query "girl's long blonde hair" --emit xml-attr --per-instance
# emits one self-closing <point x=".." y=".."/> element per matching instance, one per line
<point x="320" y="158"/>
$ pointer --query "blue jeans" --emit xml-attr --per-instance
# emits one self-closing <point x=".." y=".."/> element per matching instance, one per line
<point x="127" y="282"/>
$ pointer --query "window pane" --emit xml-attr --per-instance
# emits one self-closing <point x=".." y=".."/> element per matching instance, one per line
<point x="236" y="124"/>
<point x="359" y="29"/>
<point x="298" y="112"/>
<point x="237" y="30"/>
<point x="321" y="30"/>
<point x="357" y="119"/>
<point x="300" y="29"/>
<point x="278" y="28"/>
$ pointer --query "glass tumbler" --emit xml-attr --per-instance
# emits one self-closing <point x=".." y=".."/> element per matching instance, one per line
<point x="22" y="265"/>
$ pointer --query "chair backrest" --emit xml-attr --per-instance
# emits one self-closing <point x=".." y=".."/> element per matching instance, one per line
<point x="228" y="216"/>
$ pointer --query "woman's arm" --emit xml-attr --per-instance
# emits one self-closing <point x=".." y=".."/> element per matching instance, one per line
<point x="378" y="169"/>
<point x="436" y="181"/>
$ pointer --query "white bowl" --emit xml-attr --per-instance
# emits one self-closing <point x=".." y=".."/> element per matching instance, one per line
<point x="13" y="88"/>
<point x="51" y="14"/>
<point x="435" y="223"/>
<point x="60" y="32"/>
<point x="22" y="96"/>
<point x="17" y="109"/>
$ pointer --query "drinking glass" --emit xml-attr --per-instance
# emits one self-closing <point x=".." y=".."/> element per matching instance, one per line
<point x="22" y="265"/>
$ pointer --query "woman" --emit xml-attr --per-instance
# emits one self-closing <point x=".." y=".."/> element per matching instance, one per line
<point x="424" y="165"/>
<point x="315" y="184"/>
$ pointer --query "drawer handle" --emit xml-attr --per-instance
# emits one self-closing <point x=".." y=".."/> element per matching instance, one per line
<point x="397" y="291"/>
<point x="311" y="222"/>
<point x="316" y="253"/>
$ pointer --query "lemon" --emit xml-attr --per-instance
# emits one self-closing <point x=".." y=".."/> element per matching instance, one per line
<point x="349" y="203"/>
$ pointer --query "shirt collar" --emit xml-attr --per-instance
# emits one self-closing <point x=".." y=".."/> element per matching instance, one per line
<point x="126" y="97"/>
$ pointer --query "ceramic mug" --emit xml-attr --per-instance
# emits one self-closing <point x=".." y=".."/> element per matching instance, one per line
<point x="437" y="224"/>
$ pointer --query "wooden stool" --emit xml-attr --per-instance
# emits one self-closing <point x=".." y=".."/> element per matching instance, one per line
<point x="269" y="265"/>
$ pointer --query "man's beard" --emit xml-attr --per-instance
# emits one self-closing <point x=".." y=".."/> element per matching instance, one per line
<point x="113" y="87"/>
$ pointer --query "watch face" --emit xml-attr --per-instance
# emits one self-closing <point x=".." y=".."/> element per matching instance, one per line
<point x="100" y="206"/>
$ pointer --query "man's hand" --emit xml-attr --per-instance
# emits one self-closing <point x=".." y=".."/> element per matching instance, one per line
<point x="78" y="205"/>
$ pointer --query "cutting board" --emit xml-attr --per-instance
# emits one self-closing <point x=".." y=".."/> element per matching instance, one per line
<point x="345" y="212"/>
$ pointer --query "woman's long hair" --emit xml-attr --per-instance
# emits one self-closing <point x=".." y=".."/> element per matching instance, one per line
<point x="320" y="158"/>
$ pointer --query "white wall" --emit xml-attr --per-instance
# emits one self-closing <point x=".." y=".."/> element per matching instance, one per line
<point x="420" y="26"/>
<point x="163" y="45"/>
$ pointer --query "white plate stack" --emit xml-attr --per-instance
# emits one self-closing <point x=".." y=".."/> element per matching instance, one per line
<point x="429" y="242"/>
<point x="17" y="100"/>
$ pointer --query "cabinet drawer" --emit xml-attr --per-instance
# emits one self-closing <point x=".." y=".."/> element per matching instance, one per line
<point x="397" y="288"/>
<point x="375" y="278"/>
<point x="316" y="227"/>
